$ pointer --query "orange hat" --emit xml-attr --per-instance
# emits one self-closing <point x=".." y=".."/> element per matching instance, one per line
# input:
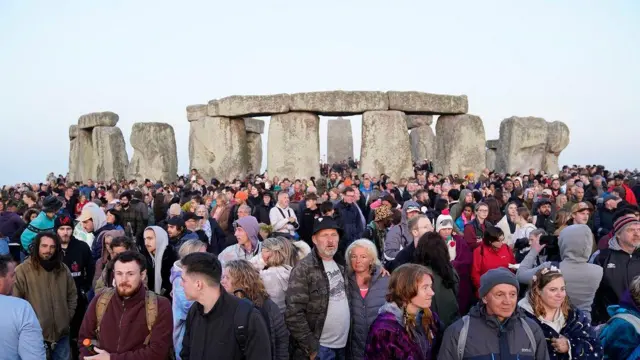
<point x="348" y="182"/>
<point x="241" y="195"/>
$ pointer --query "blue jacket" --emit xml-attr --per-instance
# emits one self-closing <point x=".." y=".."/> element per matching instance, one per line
<point x="21" y="332"/>
<point x="180" y="308"/>
<point x="40" y="224"/>
<point x="619" y="338"/>
<point x="351" y="221"/>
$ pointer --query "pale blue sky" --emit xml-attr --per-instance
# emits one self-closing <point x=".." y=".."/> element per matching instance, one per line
<point x="573" y="61"/>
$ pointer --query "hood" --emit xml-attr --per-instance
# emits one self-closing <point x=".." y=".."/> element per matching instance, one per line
<point x="525" y="305"/>
<point x="176" y="271"/>
<point x="576" y="243"/>
<point x="6" y="215"/>
<point x="162" y="241"/>
<point x="613" y="244"/>
<point x="392" y="308"/>
<point x="97" y="215"/>
<point x="250" y="225"/>
<point x="112" y="233"/>
<point x="404" y="209"/>
<point x="463" y="194"/>
<point x="280" y="274"/>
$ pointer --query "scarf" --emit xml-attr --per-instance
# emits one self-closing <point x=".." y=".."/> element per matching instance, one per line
<point x="49" y="265"/>
<point x="206" y="227"/>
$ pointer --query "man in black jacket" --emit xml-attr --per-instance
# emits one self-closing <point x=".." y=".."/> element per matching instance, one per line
<point x="132" y="217"/>
<point x="219" y="318"/>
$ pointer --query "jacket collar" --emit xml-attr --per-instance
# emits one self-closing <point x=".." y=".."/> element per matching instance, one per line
<point x="218" y="309"/>
<point x="138" y="296"/>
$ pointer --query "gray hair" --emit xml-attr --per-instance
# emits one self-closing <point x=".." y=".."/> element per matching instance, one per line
<point x="202" y="206"/>
<point x="412" y="224"/>
<point x="245" y="208"/>
<point x="367" y="245"/>
<point x="190" y="246"/>
<point x="538" y="232"/>
<point x="634" y="288"/>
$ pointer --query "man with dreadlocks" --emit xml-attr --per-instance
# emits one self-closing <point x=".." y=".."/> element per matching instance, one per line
<point x="46" y="283"/>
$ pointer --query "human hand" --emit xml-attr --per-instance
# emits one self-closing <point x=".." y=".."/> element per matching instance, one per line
<point x="561" y="344"/>
<point x="384" y="272"/>
<point x="292" y="219"/>
<point x="535" y="244"/>
<point x="102" y="355"/>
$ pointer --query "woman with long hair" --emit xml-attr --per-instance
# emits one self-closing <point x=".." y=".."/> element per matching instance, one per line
<point x="508" y="223"/>
<point x="562" y="220"/>
<point x="432" y="253"/>
<point x="474" y="231"/>
<point x="492" y="254"/>
<point x="406" y="328"/>
<point x="495" y="212"/>
<point x="221" y="213"/>
<point x="212" y="232"/>
<point x="241" y="279"/>
<point x="567" y="329"/>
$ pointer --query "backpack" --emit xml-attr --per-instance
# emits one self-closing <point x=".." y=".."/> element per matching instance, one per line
<point x="462" y="339"/>
<point x="241" y="322"/>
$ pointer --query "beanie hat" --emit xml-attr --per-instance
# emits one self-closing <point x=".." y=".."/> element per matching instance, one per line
<point x="496" y="277"/>
<point x="444" y="222"/>
<point x="62" y="220"/>
<point x="622" y="222"/>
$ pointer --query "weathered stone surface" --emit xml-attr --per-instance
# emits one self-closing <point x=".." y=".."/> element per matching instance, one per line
<point x="414" y="102"/>
<point x="105" y="118"/>
<point x="254" y="125"/>
<point x="557" y="137"/>
<point x="461" y="145"/>
<point x="218" y="147"/>
<point x="339" y="140"/>
<point x="154" y="152"/>
<point x="550" y="163"/>
<point x="81" y="156"/>
<point x="523" y="144"/>
<point x="414" y="121"/>
<point x="254" y="152"/>
<point x="250" y="105"/>
<point x="423" y="143"/>
<point x="196" y="112"/>
<point x="493" y="144"/>
<point x="73" y="160"/>
<point x="73" y="132"/>
<point x="110" y="158"/>
<point x="293" y="150"/>
<point x="385" y="144"/>
<point x="339" y="103"/>
<point x="490" y="158"/>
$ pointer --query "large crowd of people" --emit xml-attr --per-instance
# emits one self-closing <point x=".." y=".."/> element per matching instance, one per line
<point x="346" y="266"/>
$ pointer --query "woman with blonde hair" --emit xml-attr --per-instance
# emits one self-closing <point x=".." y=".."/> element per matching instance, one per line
<point x="241" y="279"/>
<point x="562" y="220"/>
<point x="221" y="212"/>
<point x="567" y="329"/>
<point x="405" y="327"/>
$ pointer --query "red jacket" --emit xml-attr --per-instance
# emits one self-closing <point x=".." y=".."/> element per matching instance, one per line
<point x="629" y="196"/>
<point x="486" y="258"/>
<point x="124" y="328"/>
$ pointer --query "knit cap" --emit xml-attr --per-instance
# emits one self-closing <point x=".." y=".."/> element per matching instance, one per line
<point x="622" y="222"/>
<point x="496" y="277"/>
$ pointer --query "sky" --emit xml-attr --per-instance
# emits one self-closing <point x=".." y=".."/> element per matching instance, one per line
<point x="572" y="61"/>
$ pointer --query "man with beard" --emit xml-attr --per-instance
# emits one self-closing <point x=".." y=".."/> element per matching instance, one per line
<point x="46" y="283"/>
<point x="545" y="219"/>
<point x="128" y="322"/>
<point x="76" y="255"/>
<point x="132" y="219"/>
<point x="178" y="232"/>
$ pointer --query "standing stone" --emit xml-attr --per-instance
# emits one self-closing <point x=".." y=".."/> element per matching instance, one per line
<point x="293" y="150"/>
<point x="523" y="144"/>
<point x="385" y="145"/>
<point x="254" y="125"/>
<point x="254" y="152"/>
<point x="491" y="153"/>
<point x="339" y="103"/>
<point x="423" y="143"/>
<point x="73" y="132"/>
<point x="218" y="148"/>
<point x="154" y="152"/>
<point x="249" y="105"/>
<point x="414" y="102"/>
<point x="557" y="140"/>
<point x="339" y="140"/>
<point x="414" y="121"/>
<point x="196" y="112"/>
<point x="461" y="144"/>
<point x="81" y="156"/>
<point x="110" y="159"/>
<point x="105" y="118"/>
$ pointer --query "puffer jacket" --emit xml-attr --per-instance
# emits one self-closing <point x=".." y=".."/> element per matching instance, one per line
<point x="487" y="338"/>
<point x="619" y="338"/>
<point x="276" y="282"/>
<point x="307" y="303"/>
<point x="364" y="310"/>
<point x="352" y="221"/>
<point x="456" y="209"/>
<point x="179" y="307"/>
<point x="398" y="236"/>
<point x="52" y="294"/>
<point x="279" y="332"/>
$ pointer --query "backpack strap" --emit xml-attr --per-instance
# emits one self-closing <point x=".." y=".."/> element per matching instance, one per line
<point x="462" y="338"/>
<point x="101" y="306"/>
<point x="241" y="323"/>
<point x="151" y="312"/>
<point x="527" y="329"/>
<point x="633" y="320"/>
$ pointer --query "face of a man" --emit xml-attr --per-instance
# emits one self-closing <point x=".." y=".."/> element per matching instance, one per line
<point x="191" y="284"/>
<point x="47" y="248"/>
<point x="65" y="233"/>
<point x="630" y="236"/>
<point x="349" y="197"/>
<point x="242" y="212"/>
<point x="555" y="184"/>
<point x="283" y="200"/>
<point x="124" y="201"/>
<point x="172" y="230"/>
<point x="326" y="242"/>
<point x="545" y="209"/>
<point x="128" y="277"/>
<point x="422" y="227"/>
<point x="150" y="241"/>
<point x="87" y="225"/>
<point x="6" y="282"/>
<point x="192" y="224"/>
<point x="501" y="301"/>
<point x="578" y="192"/>
<point x="581" y="217"/>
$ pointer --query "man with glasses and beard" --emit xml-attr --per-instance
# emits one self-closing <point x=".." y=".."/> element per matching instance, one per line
<point x="128" y="322"/>
<point x="46" y="283"/>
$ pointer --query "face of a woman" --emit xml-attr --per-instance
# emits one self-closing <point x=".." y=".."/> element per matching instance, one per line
<point x="445" y="233"/>
<point x="111" y="219"/>
<point x="553" y="294"/>
<point x="482" y="212"/>
<point x="107" y="243"/>
<point x="33" y="216"/>
<point x="360" y="260"/>
<point x="512" y="210"/>
<point x="201" y="212"/>
<point x="266" y="254"/>
<point x="226" y="281"/>
<point x="422" y="300"/>
<point x="498" y="243"/>
<point x="468" y="212"/>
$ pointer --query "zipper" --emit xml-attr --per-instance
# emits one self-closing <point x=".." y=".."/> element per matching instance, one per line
<point x="120" y="327"/>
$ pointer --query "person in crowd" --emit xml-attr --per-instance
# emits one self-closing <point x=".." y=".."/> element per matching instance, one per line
<point x="209" y="226"/>
<point x="178" y="233"/>
<point x="10" y="222"/>
<point x="147" y="316"/>
<point x="594" y="190"/>
<point x="495" y="213"/>
<point x="118" y="245"/>
<point x="180" y="305"/>
<point x="46" y="283"/>
<point x="563" y="219"/>
<point x="42" y="223"/>
<point x="524" y="225"/>
<point x="465" y="217"/>
<point x="221" y="214"/>
<point x="622" y="211"/>
<point x="377" y="229"/>
<point x="192" y="222"/>
<point x="620" y="337"/>
<point x="82" y="201"/>
<point x="545" y="218"/>
<point x="261" y="211"/>
<point x="159" y="257"/>
<point x="114" y="219"/>
<point x="493" y="253"/>
<point x="432" y="253"/>
<point x="561" y="202"/>
<point x="309" y="215"/>
<point x="283" y="218"/>
<point x="21" y="332"/>
<point x="474" y="230"/>
<point x="603" y="217"/>
<point x="566" y="328"/>
<point x="465" y="198"/>
<point x="94" y="222"/>
<point x="76" y="255"/>
<point x="580" y="213"/>
<point x="212" y="319"/>
<point x="405" y="327"/>
<point x="367" y="288"/>
<point x="418" y="226"/>
<point x="623" y="253"/>
<point x="494" y="327"/>
<point x="132" y="217"/>
<point x="399" y="236"/>
<point x="241" y="279"/>
<point x="317" y="312"/>
<point x="107" y="253"/>
<point x="461" y="258"/>
<point x="351" y="217"/>
<point x="629" y="195"/>
<point x="508" y="223"/>
<point x="249" y="242"/>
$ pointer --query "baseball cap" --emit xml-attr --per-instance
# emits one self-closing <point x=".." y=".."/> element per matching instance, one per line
<point x="412" y="208"/>
<point x="547" y="192"/>
<point x="191" y="216"/>
<point x="324" y="223"/>
<point x="176" y="221"/>
<point x="580" y="207"/>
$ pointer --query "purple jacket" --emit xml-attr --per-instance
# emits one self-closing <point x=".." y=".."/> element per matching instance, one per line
<point x="388" y="339"/>
<point x="462" y="264"/>
<point x="10" y="222"/>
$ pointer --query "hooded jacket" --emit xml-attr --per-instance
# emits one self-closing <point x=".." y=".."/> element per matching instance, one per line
<point x="159" y="265"/>
<point x="10" y="223"/>
<point x="398" y="236"/>
<point x="99" y="225"/>
<point x="40" y="224"/>
<point x="352" y="221"/>
<point x="180" y="307"/>
<point x="488" y="338"/>
<point x="250" y="225"/>
<point x="582" y="279"/>
<point x="486" y="258"/>
<point x="619" y="269"/>
<point x="619" y="338"/>
<point x="456" y="209"/>
<point x="276" y="283"/>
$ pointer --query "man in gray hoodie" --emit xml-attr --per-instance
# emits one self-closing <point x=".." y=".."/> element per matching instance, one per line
<point x="399" y="235"/>
<point x="582" y="279"/>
